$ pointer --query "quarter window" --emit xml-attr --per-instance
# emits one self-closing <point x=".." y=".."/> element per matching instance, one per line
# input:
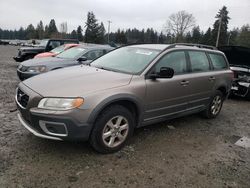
<point x="199" y="61"/>
<point x="175" y="60"/>
<point x="218" y="61"/>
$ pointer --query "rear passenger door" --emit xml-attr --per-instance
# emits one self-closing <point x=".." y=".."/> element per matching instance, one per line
<point x="201" y="79"/>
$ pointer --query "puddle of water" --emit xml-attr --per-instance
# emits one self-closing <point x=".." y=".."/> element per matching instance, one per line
<point x="243" y="142"/>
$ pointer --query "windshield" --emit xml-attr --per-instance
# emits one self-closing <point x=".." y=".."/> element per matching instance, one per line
<point x="130" y="60"/>
<point x="43" y="43"/>
<point x="58" y="50"/>
<point x="72" y="53"/>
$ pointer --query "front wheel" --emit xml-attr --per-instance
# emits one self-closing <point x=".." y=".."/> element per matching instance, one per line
<point x="112" y="129"/>
<point x="214" y="106"/>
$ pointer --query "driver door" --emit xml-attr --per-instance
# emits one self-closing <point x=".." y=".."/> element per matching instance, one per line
<point x="167" y="97"/>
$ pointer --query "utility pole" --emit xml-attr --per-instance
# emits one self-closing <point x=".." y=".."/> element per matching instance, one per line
<point x="109" y="22"/>
<point x="218" y="35"/>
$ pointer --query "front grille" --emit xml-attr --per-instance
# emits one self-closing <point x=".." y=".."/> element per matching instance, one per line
<point x="22" y="98"/>
<point x="19" y="53"/>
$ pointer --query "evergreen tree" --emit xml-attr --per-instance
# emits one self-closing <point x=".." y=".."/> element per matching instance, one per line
<point x="92" y="28"/>
<point x="30" y="32"/>
<point x="73" y="34"/>
<point x="100" y="34"/>
<point x="52" y="29"/>
<point x="188" y="37"/>
<point x="40" y="30"/>
<point x="79" y="33"/>
<point x="162" y="38"/>
<point x="244" y="36"/>
<point x="207" y="37"/>
<point x="223" y="17"/>
<point x="196" y="35"/>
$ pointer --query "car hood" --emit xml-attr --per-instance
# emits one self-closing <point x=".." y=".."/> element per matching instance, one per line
<point x="32" y="48"/>
<point x="43" y="61"/>
<point x="76" y="81"/>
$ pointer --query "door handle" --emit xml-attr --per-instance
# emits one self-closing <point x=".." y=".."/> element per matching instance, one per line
<point x="184" y="82"/>
<point x="212" y="78"/>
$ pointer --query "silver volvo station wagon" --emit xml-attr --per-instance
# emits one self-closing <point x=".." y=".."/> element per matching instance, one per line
<point x="129" y="87"/>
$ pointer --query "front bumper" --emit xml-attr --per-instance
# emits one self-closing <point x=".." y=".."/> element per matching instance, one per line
<point x="51" y="124"/>
<point x="29" y="128"/>
<point x="47" y="126"/>
<point x="18" y="59"/>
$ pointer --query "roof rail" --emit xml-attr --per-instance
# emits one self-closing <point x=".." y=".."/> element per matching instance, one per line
<point x="190" y="44"/>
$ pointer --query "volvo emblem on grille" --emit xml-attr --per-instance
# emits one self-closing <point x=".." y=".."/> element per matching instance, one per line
<point x="19" y="96"/>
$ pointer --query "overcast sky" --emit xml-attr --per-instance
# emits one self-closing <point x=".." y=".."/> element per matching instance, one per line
<point x="123" y="13"/>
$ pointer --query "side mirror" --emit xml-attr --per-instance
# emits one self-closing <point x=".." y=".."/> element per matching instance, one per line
<point x="165" y="72"/>
<point x="83" y="58"/>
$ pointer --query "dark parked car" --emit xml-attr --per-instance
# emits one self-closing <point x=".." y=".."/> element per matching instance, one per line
<point x="129" y="87"/>
<point x="239" y="60"/>
<point x="82" y="54"/>
<point x="45" y="45"/>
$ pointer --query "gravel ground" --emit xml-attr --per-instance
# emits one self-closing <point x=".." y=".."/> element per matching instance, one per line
<point x="195" y="152"/>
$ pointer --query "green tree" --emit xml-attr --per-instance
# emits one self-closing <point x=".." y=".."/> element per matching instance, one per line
<point x="222" y="16"/>
<point x="73" y="34"/>
<point x="30" y="32"/>
<point x="188" y="37"/>
<point x="100" y="34"/>
<point x="207" y="37"/>
<point x="196" y="35"/>
<point x="244" y="36"/>
<point x="232" y="36"/>
<point x="79" y="33"/>
<point x="52" y="29"/>
<point x="40" y="30"/>
<point x="92" y="28"/>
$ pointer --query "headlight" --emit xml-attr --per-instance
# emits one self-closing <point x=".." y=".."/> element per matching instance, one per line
<point x="60" y="103"/>
<point x="37" y="69"/>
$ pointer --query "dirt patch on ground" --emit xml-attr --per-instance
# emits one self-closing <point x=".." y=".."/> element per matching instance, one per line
<point x="196" y="153"/>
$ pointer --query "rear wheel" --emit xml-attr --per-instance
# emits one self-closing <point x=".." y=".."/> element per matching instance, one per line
<point x="215" y="105"/>
<point x="112" y="129"/>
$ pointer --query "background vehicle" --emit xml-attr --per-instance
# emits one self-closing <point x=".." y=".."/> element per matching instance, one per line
<point x="81" y="54"/>
<point x="129" y="87"/>
<point x="239" y="60"/>
<point x="46" y="45"/>
<point x="56" y="51"/>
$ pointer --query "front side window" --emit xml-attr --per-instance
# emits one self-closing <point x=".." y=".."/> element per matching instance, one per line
<point x="218" y="61"/>
<point x="175" y="60"/>
<point x="199" y="61"/>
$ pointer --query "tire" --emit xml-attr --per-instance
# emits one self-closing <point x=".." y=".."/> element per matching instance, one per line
<point x="113" y="127"/>
<point x="248" y="95"/>
<point x="215" y="105"/>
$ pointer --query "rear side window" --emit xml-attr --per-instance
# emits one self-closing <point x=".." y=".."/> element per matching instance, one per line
<point x="175" y="60"/>
<point x="199" y="61"/>
<point x="218" y="61"/>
